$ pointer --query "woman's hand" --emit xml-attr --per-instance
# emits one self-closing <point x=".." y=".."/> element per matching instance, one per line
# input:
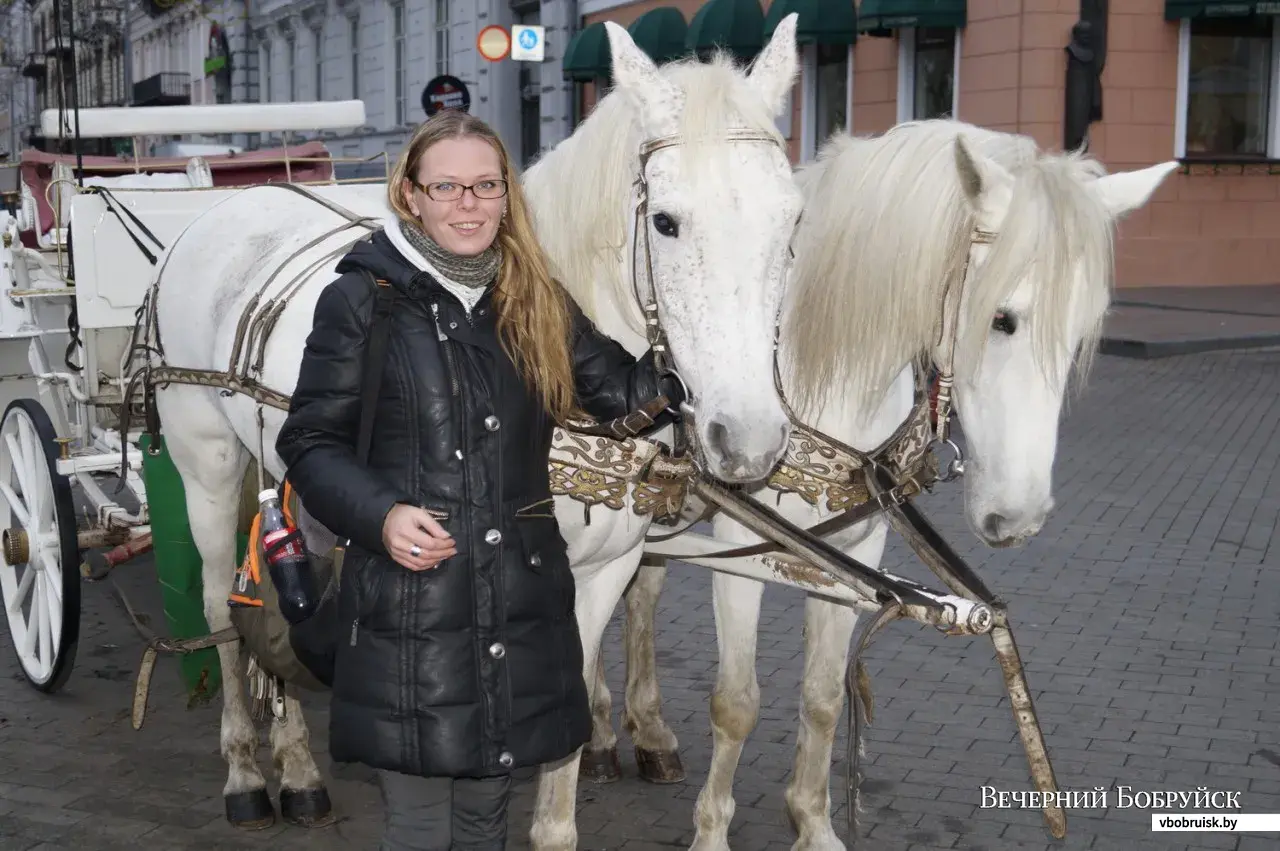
<point x="415" y="539"/>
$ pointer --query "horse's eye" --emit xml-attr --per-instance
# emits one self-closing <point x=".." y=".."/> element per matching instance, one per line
<point x="1005" y="322"/>
<point x="665" y="225"/>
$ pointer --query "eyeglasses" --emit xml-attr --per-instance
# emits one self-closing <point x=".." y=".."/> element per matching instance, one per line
<point x="486" y="190"/>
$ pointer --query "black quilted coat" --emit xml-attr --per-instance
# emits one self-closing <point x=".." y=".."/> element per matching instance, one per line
<point x="473" y="668"/>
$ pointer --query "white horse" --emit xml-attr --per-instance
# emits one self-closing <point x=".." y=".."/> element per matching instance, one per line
<point x="723" y="274"/>
<point x="708" y="195"/>
<point x="935" y="243"/>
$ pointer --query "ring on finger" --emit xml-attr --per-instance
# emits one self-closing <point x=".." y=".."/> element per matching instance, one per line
<point x="415" y="551"/>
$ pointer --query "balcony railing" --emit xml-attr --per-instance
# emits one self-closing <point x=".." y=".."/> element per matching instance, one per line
<point x="168" y="88"/>
<point x="34" y="67"/>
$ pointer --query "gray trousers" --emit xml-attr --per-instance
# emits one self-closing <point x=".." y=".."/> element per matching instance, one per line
<point x="443" y="813"/>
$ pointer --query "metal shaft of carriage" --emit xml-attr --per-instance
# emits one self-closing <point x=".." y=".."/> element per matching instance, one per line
<point x="932" y="549"/>
<point x="971" y="609"/>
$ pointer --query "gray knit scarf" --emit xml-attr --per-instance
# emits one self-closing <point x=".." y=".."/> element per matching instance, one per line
<point x="477" y="271"/>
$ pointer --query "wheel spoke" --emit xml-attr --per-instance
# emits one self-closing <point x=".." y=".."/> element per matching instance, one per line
<point x="15" y="504"/>
<point x="53" y="570"/>
<point x="24" y="588"/>
<point x="52" y="601"/>
<point x="33" y="630"/>
<point x="46" y="633"/>
<point x="18" y="458"/>
<point x="33" y="482"/>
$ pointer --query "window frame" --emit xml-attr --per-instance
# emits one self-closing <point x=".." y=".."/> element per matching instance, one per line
<point x="317" y="47"/>
<point x="265" y="70"/>
<point x="440" y="36"/>
<point x="291" y="53"/>
<point x="907" y="73"/>
<point x="1182" y="100"/>
<point x="809" y="141"/>
<point x="354" y="42"/>
<point x="399" y="90"/>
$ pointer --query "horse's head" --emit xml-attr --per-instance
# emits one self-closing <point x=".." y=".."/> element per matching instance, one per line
<point x="718" y="207"/>
<point x="1031" y="306"/>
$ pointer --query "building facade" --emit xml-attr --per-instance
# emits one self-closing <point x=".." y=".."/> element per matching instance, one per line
<point x="384" y="52"/>
<point x="1192" y="80"/>
<point x="191" y="52"/>
<point x="57" y="55"/>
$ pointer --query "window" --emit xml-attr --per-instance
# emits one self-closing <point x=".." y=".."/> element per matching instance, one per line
<point x="355" y="56"/>
<point x="927" y="77"/>
<point x="400" y="67"/>
<point x="832" y="95"/>
<point x="317" y="45"/>
<point x="291" y="47"/>
<point x="1227" y="87"/>
<point x="265" y="77"/>
<point x="442" y="37"/>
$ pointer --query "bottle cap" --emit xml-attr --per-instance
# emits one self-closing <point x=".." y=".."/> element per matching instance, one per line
<point x="269" y="493"/>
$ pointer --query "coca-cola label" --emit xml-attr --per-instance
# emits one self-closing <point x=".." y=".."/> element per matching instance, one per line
<point x="293" y="549"/>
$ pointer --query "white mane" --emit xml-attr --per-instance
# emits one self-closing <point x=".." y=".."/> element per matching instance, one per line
<point x="886" y="227"/>
<point x="578" y="190"/>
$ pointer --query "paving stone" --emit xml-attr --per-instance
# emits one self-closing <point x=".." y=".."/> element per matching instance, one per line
<point x="1145" y="613"/>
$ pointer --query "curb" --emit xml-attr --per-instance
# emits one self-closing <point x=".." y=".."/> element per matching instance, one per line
<point x="1147" y="349"/>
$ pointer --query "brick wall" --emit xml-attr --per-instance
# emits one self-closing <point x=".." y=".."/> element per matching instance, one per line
<point x="1208" y="227"/>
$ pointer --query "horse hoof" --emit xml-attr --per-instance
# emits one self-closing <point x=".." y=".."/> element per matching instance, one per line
<point x="659" y="766"/>
<point x="307" y="807"/>
<point x="250" y="810"/>
<point x="600" y="766"/>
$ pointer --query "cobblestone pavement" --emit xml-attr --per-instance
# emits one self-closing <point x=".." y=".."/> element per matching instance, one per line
<point x="1146" y="613"/>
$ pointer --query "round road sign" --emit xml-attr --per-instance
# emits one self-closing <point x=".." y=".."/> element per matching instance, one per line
<point x="494" y="43"/>
<point x="445" y="92"/>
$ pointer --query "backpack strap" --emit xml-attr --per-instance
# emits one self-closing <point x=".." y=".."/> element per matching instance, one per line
<point x="375" y="358"/>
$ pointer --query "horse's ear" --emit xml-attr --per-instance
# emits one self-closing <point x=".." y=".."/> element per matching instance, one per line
<point x="979" y="175"/>
<point x="636" y="77"/>
<point x="1126" y="191"/>
<point x="774" y="70"/>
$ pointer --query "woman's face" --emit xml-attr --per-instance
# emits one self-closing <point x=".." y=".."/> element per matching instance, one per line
<point x="465" y="225"/>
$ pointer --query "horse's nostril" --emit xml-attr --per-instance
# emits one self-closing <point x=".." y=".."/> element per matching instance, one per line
<point x="991" y="526"/>
<point x="718" y="437"/>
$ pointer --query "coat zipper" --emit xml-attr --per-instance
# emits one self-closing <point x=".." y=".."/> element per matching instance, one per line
<point x="452" y="368"/>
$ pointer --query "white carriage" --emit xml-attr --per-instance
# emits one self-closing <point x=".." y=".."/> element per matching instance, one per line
<point x="77" y="264"/>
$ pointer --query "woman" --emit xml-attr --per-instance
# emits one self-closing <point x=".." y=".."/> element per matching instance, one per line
<point x="463" y="660"/>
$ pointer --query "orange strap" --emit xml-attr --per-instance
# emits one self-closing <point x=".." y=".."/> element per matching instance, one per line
<point x="255" y="565"/>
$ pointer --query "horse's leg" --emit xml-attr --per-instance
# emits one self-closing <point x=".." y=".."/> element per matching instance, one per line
<point x="600" y="763"/>
<point x="828" y="629"/>
<point x="735" y="704"/>
<point x="555" y="809"/>
<point x="304" y="800"/>
<point x="212" y="460"/>
<point x="657" y="751"/>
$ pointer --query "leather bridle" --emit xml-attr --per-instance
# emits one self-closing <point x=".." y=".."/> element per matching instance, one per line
<point x="642" y="282"/>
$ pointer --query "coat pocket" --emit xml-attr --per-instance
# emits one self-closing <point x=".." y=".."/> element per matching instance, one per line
<point x="545" y="555"/>
<point x="543" y="508"/>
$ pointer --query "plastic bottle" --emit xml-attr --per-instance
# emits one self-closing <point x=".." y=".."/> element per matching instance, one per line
<point x="288" y="563"/>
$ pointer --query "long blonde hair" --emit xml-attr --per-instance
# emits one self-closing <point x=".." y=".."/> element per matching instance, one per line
<point x="531" y="308"/>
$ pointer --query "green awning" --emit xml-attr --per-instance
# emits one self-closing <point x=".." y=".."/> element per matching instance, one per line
<point x="661" y="33"/>
<point x="894" y="14"/>
<point x="736" y="26"/>
<point x="1177" y="9"/>
<point x="587" y="56"/>
<point x="821" y="21"/>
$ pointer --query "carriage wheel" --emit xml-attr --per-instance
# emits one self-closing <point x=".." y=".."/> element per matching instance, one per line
<point x="39" y="585"/>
